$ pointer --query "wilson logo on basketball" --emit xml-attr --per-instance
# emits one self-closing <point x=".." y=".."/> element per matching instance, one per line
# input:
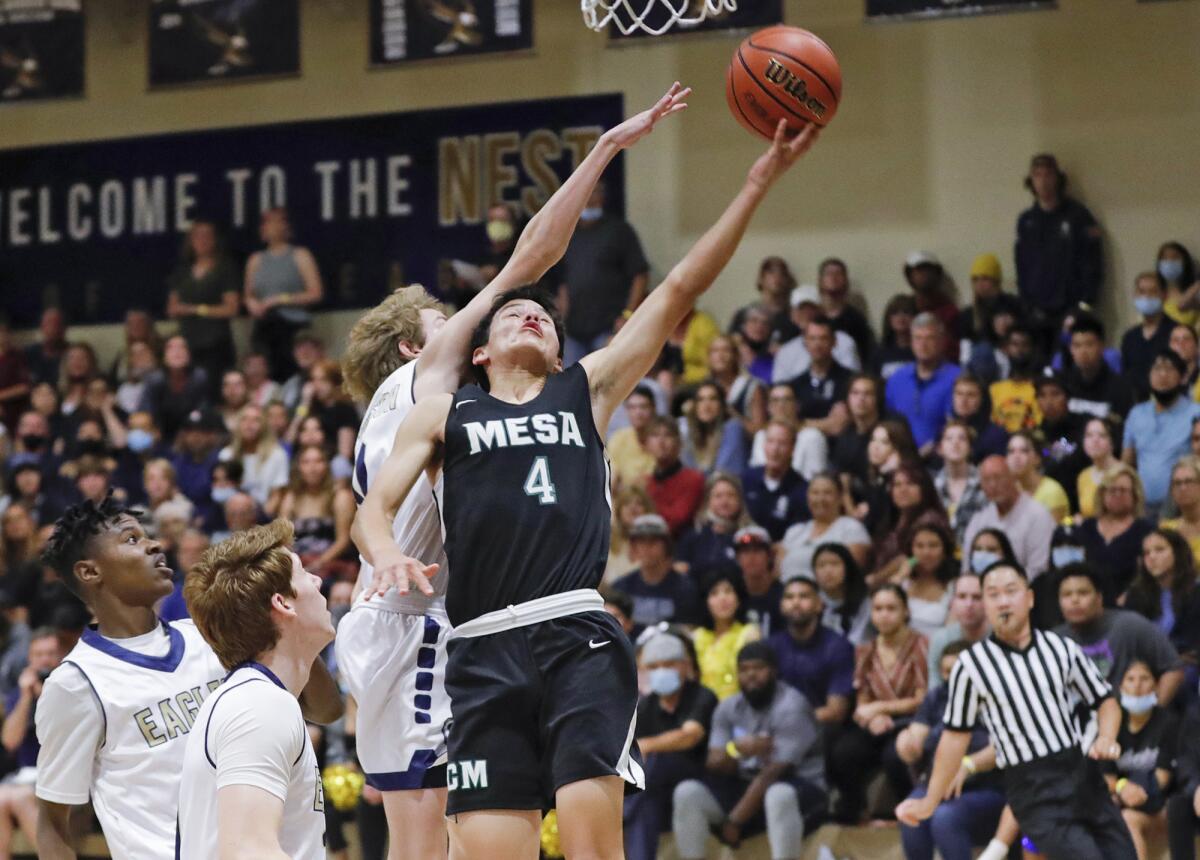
<point x="782" y="77"/>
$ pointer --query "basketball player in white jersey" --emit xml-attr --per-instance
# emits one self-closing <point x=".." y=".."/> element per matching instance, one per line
<point x="251" y="786"/>
<point x="391" y="647"/>
<point x="113" y="719"/>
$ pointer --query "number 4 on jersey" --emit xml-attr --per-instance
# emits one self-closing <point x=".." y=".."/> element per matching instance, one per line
<point x="538" y="482"/>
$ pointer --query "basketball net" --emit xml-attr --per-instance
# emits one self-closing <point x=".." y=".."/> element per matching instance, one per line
<point x="625" y="14"/>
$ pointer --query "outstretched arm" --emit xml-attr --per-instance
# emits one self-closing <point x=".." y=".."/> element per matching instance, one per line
<point x="542" y="244"/>
<point x="616" y="369"/>
<point x="413" y="451"/>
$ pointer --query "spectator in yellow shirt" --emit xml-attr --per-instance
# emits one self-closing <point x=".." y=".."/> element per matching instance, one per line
<point x="631" y="462"/>
<point x="1014" y="399"/>
<point x="1025" y="462"/>
<point x="724" y="631"/>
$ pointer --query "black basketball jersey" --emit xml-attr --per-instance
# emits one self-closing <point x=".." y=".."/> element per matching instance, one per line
<point x="525" y="498"/>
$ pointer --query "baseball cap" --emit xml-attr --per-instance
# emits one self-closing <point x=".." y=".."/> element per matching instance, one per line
<point x="203" y="419"/>
<point x="1049" y="377"/>
<point x="663" y="648"/>
<point x="649" y="526"/>
<point x="805" y="294"/>
<point x="920" y="258"/>
<point x="751" y="536"/>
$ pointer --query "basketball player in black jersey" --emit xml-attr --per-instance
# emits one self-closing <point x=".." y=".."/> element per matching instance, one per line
<point x="542" y="681"/>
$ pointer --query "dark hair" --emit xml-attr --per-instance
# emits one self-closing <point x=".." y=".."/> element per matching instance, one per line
<point x="619" y="599"/>
<point x="1079" y="570"/>
<point x="854" y="588"/>
<point x="642" y="391"/>
<point x="74" y="531"/>
<point x="530" y="292"/>
<point x="955" y="648"/>
<point x="960" y="423"/>
<point x="1003" y="564"/>
<point x="733" y="576"/>
<point x="832" y="261"/>
<point x="1008" y="556"/>
<point x="1087" y="324"/>
<point x="234" y="470"/>
<point x="664" y="422"/>
<point x="822" y="321"/>
<point x="894" y="588"/>
<point x="876" y="385"/>
<point x="1145" y="594"/>
<point x="899" y="433"/>
<point x="758" y="650"/>
<point x="902" y="522"/>
<point x="1189" y="264"/>
<point x="948" y="569"/>
<point x="899" y="303"/>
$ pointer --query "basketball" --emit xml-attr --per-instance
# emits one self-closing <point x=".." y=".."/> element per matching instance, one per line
<point x="783" y="73"/>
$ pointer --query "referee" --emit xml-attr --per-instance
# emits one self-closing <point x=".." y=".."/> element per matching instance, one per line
<point x="1022" y="683"/>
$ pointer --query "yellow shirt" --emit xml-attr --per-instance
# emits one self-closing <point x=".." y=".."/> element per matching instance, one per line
<point x="1187" y="318"/>
<point x="1086" y="486"/>
<point x="718" y="657"/>
<point x="1014" y="404"/>
<point x="702" y="330"/>
<point x="1174" y="525"/>
<point x="631" y="464"/>
<point x="1053" y="498"/>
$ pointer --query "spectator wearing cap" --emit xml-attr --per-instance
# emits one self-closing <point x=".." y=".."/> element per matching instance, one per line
<point x="775" y="493"/>
<point x="793" y="358"/>
<point x="833" y="280"/>
<point x="198" y="448"/>
<point x="756" y="560"/>
<point x="980" y="337"/>
<point x="676" y="490"/>
<point x="814" y="658"/>
<point x="1158" y="431"/>
<point x="1014" y="401"/>
<point x="1143" y="343"/>
<point x="1061" y="436"/>
<point x="933" y="294"/>
<point x="923" y="391"/>
<point x="1011" y="510"/>
<point x="1092" y="386"/>
<point x="659" y="592"/>
<point x="765" y="767"/>
<point x="1058" y="250"/>
<point x="673" y="723"/>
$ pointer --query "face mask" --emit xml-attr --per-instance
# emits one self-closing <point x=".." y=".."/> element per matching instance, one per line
<point x="500" y="231"/>
<point x="1064" y="555"/>
<point x="221" y="495"/>
<point x="1138" y="704"/>
<point x="1166" y="397"/>
<point x="1021" y="364"/>
<point x="139" y="440"/>
<point x="1171" y="270"/>
<point x="759" y="699"/>
<point x="982" y="559"/>
<point x="94" y="447"/>
<point x="591" y="213"/>
<point x="33" y="442"/>
<point x="664" y="681"/>
<point x="1148" y="306"/>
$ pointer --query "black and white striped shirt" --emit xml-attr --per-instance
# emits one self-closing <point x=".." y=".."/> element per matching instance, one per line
<point x="1026" y="698"/>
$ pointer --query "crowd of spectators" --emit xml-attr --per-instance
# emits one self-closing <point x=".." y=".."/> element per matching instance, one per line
<point x="802" y="504"/>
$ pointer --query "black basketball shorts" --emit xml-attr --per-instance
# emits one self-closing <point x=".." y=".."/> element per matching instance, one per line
<point x="537" y="707"/>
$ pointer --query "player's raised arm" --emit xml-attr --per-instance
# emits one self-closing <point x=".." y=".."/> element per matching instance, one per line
<point x="542" y="244"/>
<point x="614" y="370"/>
<point x="414" y="450"/>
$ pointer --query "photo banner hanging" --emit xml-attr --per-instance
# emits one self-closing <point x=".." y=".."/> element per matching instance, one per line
<point x="883" y="10"/>
<point x="750" y="15"/>
<point x="207" y="41"/>
<point x="41" y="49"/>
<point x="406" y="30"/>
<point x="97" y="227"/>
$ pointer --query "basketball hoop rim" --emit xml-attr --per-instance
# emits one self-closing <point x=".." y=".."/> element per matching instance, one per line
<point x="598" y="15"/>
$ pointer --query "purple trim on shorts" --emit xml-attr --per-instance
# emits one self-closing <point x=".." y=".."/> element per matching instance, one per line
<point x="405" y="780"/>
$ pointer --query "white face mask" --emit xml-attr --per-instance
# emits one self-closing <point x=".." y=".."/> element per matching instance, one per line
<point x="1139" y="704"/>
<point x="591" y="213"/>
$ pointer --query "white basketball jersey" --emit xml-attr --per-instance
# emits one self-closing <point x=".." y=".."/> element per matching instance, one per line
<point x="418" y="524"/>
<point x="150" y="705"/>
<point x="251" y="733"/>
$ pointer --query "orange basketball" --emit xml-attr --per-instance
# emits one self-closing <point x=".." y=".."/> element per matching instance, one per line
<point x="783" y="73"/>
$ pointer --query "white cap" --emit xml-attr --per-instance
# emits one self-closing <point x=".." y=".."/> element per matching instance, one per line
<point x="920" y="258"/>
<point x="805" y="293"/>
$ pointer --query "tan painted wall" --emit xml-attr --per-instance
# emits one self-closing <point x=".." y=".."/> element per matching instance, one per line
<point x="937" y="122"/>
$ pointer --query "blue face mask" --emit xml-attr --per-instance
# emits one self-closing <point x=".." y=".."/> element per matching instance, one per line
<point x="982" y="559"/>
<point x="1064" y="555"/>
<point x="139" y="440"/>
<point x="221" y="495"/>
<point x="1138" y="704"/>
<point x="591" y="213"/>
<point x="664" y="681"/>
<point x="1148" y="306"/>
<point x="1171" y="270"/>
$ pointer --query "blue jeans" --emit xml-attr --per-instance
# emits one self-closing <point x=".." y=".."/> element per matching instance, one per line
<point x="955" y="827"/>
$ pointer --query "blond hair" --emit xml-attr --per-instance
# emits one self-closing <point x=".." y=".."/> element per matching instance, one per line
<point x="1109" y="477"/>
<point x="263" y="445"/>
<point x="229" y="591"/>
<point x="371" y="352"/>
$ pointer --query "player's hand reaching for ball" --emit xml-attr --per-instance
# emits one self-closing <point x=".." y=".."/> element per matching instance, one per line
<point x="782" y="154"/>
<point x="638" y="126"/>
<point x="393" y="569"/>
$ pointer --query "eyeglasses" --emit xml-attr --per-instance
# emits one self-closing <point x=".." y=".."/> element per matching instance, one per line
<point x="1119" y="490"/>
<point x="1183" y="482"/>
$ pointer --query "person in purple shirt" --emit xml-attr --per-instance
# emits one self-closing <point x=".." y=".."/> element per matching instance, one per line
<point x="817" y="661"/>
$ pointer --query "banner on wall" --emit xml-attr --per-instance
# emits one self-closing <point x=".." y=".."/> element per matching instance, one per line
<point x="97" y="227"/>
<point x="41" y="49"/>
<point x="905" y="9"/>
<point x="197" y="41"/>
<point x="405" y="30"/>
<point x="750" y="15"/>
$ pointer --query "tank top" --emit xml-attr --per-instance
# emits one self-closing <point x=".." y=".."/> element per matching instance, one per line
<point x="277" y="275"/>
<point x="525" y="499"/>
